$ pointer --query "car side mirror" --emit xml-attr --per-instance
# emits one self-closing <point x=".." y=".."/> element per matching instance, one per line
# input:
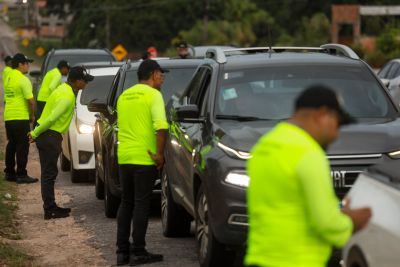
<point x="385" y="82"/>
<point x="97" y="107"/>
<point x="187" y="113"/>
<point x="35" y="74"/>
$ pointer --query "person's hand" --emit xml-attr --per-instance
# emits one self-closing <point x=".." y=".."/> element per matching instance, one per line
<point x="31" y="140"/>
<point x="157" y="158"/>
<point x="359" y="216"/>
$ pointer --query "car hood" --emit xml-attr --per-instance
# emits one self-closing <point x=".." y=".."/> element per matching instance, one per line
<point x="82" y="112"/>
<point x="370" y="136"/>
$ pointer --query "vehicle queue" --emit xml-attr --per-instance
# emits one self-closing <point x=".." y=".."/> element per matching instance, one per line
<point x="225" y="107"/>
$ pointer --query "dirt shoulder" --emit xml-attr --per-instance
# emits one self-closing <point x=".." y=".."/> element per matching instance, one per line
<point x="60" y="242"/>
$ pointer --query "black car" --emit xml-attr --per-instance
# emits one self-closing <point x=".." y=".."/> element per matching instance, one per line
<point x="73" y="56"/>
<point x="107" y="182"/>
<point x="230" y="103"/>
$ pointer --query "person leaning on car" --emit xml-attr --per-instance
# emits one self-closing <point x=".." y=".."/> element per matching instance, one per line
<point x="51" y="81"/>
<point x="18" y="111"/>
<point x="54" y="121"/>
<point x="294" y="215"/>
<point x="142" y="129"/>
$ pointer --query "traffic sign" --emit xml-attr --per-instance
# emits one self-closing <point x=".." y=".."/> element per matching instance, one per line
<point x="25" y="42"/>
<point x="119" y="52"/>
<point x="40" y="51"/>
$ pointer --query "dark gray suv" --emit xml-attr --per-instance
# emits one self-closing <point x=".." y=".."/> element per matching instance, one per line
<point x="234" y="98"/>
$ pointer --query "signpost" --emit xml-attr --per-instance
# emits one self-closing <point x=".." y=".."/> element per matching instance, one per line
<point x="119" y="52"/>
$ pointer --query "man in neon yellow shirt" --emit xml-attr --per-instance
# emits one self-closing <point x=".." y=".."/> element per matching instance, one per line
<point x="18" y="111"/>
<point x="294" y="215"/>
<point x="7" y="69"/>
<point x="142" y="128"/>
<point x="54" y="121"/>
<point x="51" y="81"/>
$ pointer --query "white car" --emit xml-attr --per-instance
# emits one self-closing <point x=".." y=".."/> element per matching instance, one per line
<point x="378" y="245"/>
<point x="77" y="146"/>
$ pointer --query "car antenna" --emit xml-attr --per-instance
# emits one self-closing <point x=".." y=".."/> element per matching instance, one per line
<point x="269" y="41"/>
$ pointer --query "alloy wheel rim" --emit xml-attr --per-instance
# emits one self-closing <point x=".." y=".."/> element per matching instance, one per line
<point x="202" y="228"/>
<point x="164" y="200"/>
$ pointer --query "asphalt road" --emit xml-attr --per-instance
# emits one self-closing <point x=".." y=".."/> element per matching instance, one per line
<point x="89" y="211"/>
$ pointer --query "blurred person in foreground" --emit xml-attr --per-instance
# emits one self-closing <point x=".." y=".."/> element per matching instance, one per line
<point x="18" y="113"/>
<point x="142" y="130"/>
<point x="294" y="214"/>
<point x="54" y="121"/>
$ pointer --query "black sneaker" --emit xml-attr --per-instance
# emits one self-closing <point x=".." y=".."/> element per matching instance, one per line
<point x="25" y="179"/>
<point x="11" y="177"/>
<point x="145" y="257"/>
<point x="122" y="259"/>
<point x="63" y="209"/>
<point x="55" y="214"/>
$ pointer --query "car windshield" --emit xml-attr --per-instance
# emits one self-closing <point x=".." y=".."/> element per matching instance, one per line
<point x="97" y="90"/>
<point x="175" y="81"/>
<point x="76" y="59"/>
<point x="269" y="93"/>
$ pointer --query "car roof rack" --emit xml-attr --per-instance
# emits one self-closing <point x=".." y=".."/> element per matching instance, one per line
<point x="219" y="54"/>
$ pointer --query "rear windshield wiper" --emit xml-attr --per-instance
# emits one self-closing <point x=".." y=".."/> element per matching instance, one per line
<point x="240" y="118"/>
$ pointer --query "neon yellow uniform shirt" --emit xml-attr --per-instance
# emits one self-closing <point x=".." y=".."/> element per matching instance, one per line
<point x="17" y="91"/>
<point x="51" y="81"/>
<point x="7" y="70"/>
<point x="58" y="111"/>
<point x="141" y="113"/>
<point x="293" y="211"/>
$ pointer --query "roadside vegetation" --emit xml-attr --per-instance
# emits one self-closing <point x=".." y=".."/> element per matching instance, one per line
<point x="9" y="254"/>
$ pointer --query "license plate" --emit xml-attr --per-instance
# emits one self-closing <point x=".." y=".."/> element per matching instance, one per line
<point x="344" y="179"/>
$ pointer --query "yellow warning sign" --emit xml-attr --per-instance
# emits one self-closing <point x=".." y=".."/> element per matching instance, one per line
<point x="119" y="52"/>
<point x="40" y="51"/>
<point x="25" y="42"/>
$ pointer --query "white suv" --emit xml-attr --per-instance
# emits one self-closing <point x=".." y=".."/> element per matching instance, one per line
<point x="378" y="245"/>
<point x="77" y="146"/>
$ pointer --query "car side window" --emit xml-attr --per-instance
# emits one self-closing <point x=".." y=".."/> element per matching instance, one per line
<point x="113" y="91"/>
<point x="393" y="70"/>
<point x="385" y="70"/>
<point x="195" y="86"/>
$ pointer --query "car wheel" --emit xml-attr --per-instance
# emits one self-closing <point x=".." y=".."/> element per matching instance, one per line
<point x="210" y="252"/>
<point x="98" y="185"/>
<point x="64" y="162"/>
<point x="175" y="220"/>
<point x="356" y="258"/>
<point x="111" y="202"/>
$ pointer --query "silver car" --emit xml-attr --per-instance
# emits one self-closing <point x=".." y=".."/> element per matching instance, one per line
<point x="390" y="76"/>
<point x="378" y="245"/>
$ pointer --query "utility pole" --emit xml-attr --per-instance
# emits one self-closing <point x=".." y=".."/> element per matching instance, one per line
<point x="108" y="26"/>
<point x="205" y="21"/>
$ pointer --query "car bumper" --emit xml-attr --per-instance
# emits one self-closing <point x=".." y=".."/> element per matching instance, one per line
<point x="82" y="149"/>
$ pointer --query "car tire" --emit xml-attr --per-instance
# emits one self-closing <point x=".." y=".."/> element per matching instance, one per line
<point x="175" y="220"/>
<point x="356" y="258"/>
<point x="210" y="252"/>
<point x="64" y="163"/>
<point x="98" y="185"/>
<point x="111" y="202"/>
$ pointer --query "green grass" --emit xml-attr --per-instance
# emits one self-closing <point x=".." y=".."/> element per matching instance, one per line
<point x="9" y="255"/>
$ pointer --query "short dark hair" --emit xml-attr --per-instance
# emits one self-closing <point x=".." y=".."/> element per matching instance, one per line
<point x="7" y="59"/>
<point x="317" y="96"/>
<point x="63" y="64"/>
<point x="146" y="68"/>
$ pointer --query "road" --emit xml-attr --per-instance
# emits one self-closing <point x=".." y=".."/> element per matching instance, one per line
<point x="89" y="212"/>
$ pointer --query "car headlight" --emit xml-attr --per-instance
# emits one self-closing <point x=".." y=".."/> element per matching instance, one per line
<point x="394" y="154"/>
<point x="238" y="178"/>
<point x="84" y="128"/>
<point x="234" y="153"/>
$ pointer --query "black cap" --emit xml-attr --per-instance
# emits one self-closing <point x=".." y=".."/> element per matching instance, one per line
<point x="148" y="66"/>
<point x="79" y="73"/>
<point x="20" y="58"/>
<point x="182" y="44"/>
<point x="7" y="59"/>
<point x="317" y="96"/>
<point x="63" y="64"/>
